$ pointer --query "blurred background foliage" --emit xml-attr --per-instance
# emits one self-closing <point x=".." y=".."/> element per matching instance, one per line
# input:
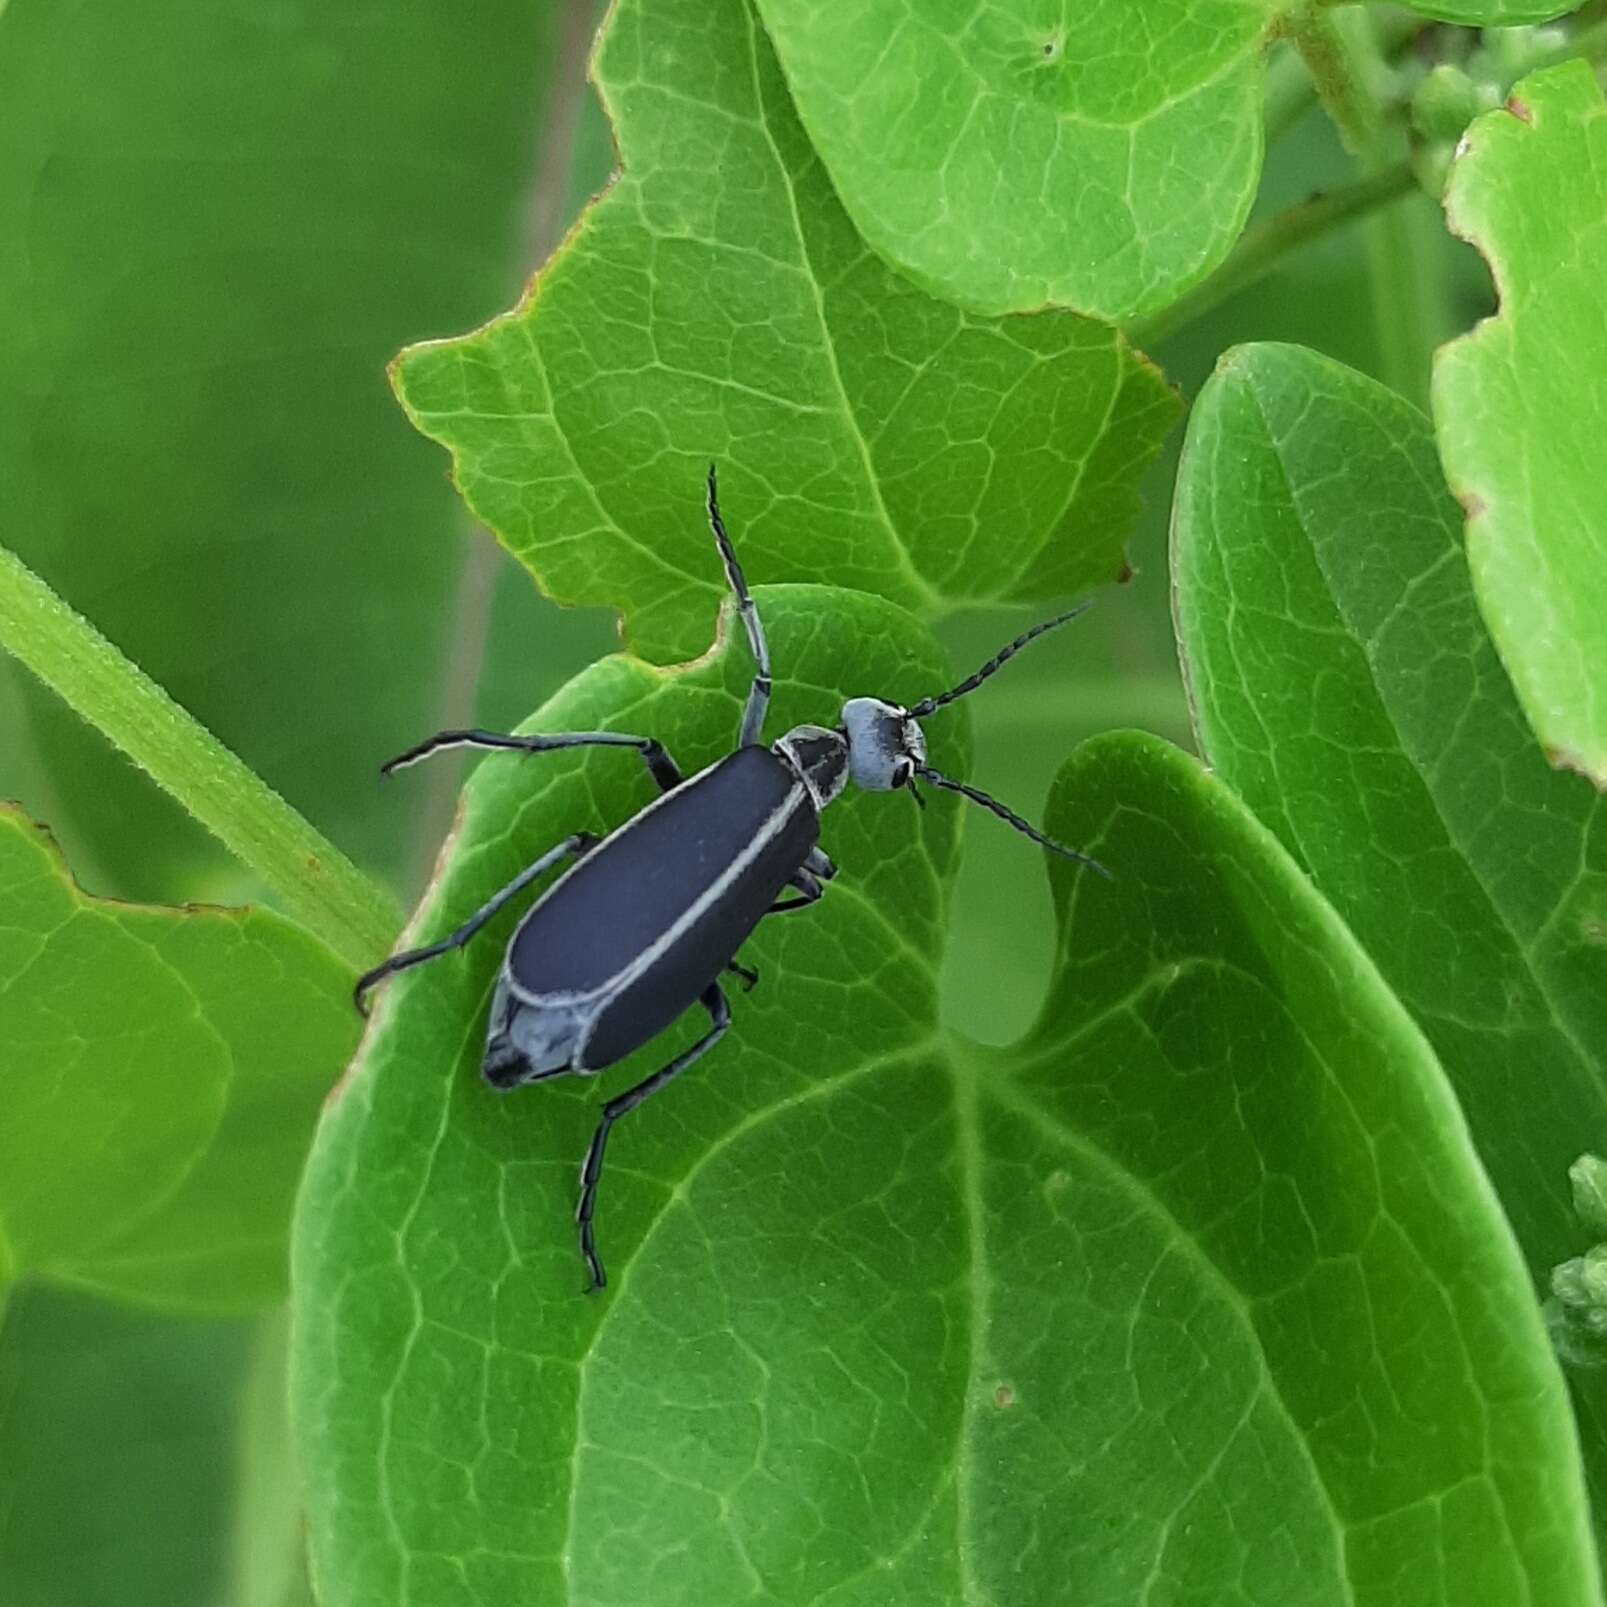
<point x="217" y="225"/>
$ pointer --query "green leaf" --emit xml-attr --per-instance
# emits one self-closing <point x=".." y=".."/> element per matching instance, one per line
<point x="1345" y="687"/>
<point x="165" y="1069"/>
<point x="1521" y="404"/>
<point x="117" y="1455"/>
<point x="217" y="223"/>
<point x="717" y="304"/>
<point x="1198" y="1292"/>
<point x="1016" y="156"/>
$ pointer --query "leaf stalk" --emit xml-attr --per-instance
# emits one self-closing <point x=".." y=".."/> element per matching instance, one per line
<point x="316" y="883"/>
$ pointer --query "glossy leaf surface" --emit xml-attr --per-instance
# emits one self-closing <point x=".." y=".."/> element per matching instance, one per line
<point x="1198" y="1291"/>
<point x="716" y="303"/>
<point x="1016" y="156"/>
<point x="163" y="1071"/>
<point x="1344" y="685"/>
<point x="1521" y="403"/>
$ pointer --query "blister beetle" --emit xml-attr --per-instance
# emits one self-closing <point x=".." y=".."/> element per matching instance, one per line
<point x="646" y="920"/>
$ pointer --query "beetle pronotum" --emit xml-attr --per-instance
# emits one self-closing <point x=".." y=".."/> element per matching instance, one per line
<point x="643" y="923"/>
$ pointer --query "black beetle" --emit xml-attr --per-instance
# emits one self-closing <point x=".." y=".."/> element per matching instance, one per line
<point x="643" y="924"/>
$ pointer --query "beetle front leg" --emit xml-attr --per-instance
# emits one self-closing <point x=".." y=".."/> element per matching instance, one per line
<point x="753" y="711"/>
<point x="579" y="843"/>
<point x="660" y="765"/>
<point x="713" y="1000"/>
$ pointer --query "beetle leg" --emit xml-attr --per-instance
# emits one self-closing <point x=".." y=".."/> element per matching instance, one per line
<point x="713" y="1000"/>
<point x="810" y="892"/>
<point x="660" y="765"/>
<point x="753" y="711"/>
<point x="579" y="843"/>
<point x="750" y="977"/>
<point x="817" y="864"/>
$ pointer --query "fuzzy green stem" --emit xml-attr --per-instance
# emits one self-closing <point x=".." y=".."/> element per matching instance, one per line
<point x="317" y="884"/>
<point x="1267" y="243"/>
<point x="1343" y="50"/>
<point x="1337" y="75"/>
<point x="1290" y="90"/>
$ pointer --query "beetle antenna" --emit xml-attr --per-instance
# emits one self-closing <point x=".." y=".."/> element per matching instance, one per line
<point x="972" y="682"/>
<point x="1009" y="816"/>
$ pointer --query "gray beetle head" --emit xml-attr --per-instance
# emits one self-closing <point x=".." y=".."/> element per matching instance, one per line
<point x="886" y="747"/>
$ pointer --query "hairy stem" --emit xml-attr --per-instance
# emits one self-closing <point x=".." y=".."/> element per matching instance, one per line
<point x="1345" y="56"/>
<point x="1290" y="88"/>
<point x="318" y="885"/>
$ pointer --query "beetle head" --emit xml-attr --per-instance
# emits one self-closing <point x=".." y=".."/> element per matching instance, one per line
<point x="885" y="744"/>
<point x="887" y="748"/>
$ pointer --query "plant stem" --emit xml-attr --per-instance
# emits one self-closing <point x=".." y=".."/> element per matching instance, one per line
<point x="316" y="882"/>
<point x="1265" y="245"/>
<point x="1343" y="53"/>
<point x="1339" y="75"/>
<point x="1290" y="90"/>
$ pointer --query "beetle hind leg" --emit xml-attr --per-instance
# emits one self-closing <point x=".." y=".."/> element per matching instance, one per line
<point x="714" y="1001"/>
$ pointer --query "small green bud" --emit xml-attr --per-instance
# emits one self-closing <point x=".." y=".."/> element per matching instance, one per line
<point x="1431" y="166"/>
<point x="1588" y="1175"/>
<point x="1447" y="101"/>
<point x="1576" y="1314"/>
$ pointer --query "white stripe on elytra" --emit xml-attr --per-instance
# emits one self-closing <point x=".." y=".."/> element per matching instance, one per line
<point x="622" y="978"/>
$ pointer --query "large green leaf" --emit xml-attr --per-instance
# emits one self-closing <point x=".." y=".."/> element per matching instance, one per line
<point x="1345" y="686"/>
<point x="716" y="303"/>
<point x="217" y="223"/>
<point x="1521" y="403"/>
<point x="1199" y="1292"/>
<point x="1018" y="155"/>
<point x="163" y="1071"/>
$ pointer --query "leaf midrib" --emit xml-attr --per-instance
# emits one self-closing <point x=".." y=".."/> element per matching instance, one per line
<point x="931" y="601"/>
